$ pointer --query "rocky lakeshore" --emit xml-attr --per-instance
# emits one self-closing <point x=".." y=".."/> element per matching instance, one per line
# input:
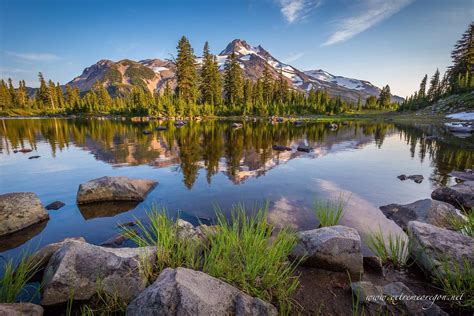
<point x="335" y="277"/>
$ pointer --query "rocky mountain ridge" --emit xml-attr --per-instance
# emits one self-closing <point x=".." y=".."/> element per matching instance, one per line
<point x="153" y="74"/>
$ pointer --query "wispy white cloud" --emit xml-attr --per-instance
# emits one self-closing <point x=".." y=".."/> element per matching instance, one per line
<point x="12" y="70"/>
<point x="294" y="10"/>
<point x="372" y="12"/>
<point x="293" y="57"/>
<point x="34" y="56"/>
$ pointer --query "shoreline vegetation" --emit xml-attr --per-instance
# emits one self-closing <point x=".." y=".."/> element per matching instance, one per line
<point x="247" y="256"/>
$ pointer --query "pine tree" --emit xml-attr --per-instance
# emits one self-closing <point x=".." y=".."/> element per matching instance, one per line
<point x="267" y="84"/>
<point x="433" y="91"/>
<point x="282" y="88"/>
<point x="186" y="73"/>
<point x="247" y="97"/>
<point x="5" y="96"/>
<point x="42" y="97"/>
<point x="384" y="97"/>
<point x="210" y="85"/>
<point x="233" y="81"/>
<point x="463" y="56"/>
<point x="422" y="91"/>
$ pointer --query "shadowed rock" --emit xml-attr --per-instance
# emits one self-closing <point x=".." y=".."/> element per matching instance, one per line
<point x="187" y="292"/>
<point x="427" y="211"/>
<point x="435" y="249"/>
<point x="460" y="195"/>
<point x="79" y="269"/>
<point x="20" y="309"/>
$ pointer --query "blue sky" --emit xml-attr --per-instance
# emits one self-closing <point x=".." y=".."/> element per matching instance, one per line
<point x="386" y="42"/>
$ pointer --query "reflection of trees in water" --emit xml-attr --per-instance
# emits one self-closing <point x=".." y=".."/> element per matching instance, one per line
<point x="445" y="151"/>
<point x="215" y="146"/>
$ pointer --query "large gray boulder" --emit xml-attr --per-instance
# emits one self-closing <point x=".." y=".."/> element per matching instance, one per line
<point x="187" y="292"/>
<point x="114" y="189"/>
<point x="429" y="211"/>
<point x="434" y="249"/>
<point x="20" y="309"/>
<point x="42" y="256"/>
<point x="79" y="270"/>
<point x="20" y="210"/>
<point x="335" y="248"/>
<point x="459" y="195"/>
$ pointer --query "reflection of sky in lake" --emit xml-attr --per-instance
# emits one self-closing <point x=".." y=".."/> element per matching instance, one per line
<point x="344" y="161"/>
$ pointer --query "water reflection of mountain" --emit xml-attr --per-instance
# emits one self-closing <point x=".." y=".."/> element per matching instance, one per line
<point x="215" y="147"/>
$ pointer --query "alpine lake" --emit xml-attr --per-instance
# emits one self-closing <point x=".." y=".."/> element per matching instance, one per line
<point x="205" y="165"/>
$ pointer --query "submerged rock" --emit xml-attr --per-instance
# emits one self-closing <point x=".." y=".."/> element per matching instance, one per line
<point x="20" y="309"/>
<point x="114" y="189"/>
<point x="305" y="149"/>
<point x="146" y="132"/>
<point x="161" y="128"/>
<point x="20" y="210"/>
<point x="79" y="269"/>
<point x="434" y="249"/>
<point x="335" y="248"/>
<point x="56" y="205"/>
<point x="418" y="178"/>
<point x="460" y="195"/>
<point x="236" y="125"/>
<point x="427" y="211"/>
<point x="187" y="292"/>
<point x="281" y="148"/>
<point x="34" y="157"/>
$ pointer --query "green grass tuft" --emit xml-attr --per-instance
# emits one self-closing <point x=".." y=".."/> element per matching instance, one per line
<point x="16" y="278"/>
<point x="161" y="233"/>
<point x="243" y="251"/>
<point x="464" y="227"/>
<point x="329" y="213"/>
<point x="457" y="279"/>
<point x="392" y="250"/>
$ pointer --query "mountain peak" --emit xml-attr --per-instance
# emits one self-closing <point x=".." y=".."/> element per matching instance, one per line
<point x="238" y="46"/>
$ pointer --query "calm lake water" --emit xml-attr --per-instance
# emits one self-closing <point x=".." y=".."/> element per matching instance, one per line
<point x="205" y="164"/>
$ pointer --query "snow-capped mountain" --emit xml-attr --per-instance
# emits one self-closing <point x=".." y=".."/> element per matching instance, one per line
<point x="153" y="73"/>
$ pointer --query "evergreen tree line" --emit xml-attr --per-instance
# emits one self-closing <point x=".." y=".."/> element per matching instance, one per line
<point x="458" y="78"/>
<point x="200" y="89"/>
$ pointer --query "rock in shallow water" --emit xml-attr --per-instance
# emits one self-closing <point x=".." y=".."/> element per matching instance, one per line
<point x="460" y="195"/>
<point x="434" y="248"/>
<point x="79" y="269"/>
<point x="20" y="210"/>
<point x="114" y="189"/>
<point x="335" y="248"/>
<point x="427" y="211"/>
<point x="187" y="292"/>
<point x="56" y="205"/>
